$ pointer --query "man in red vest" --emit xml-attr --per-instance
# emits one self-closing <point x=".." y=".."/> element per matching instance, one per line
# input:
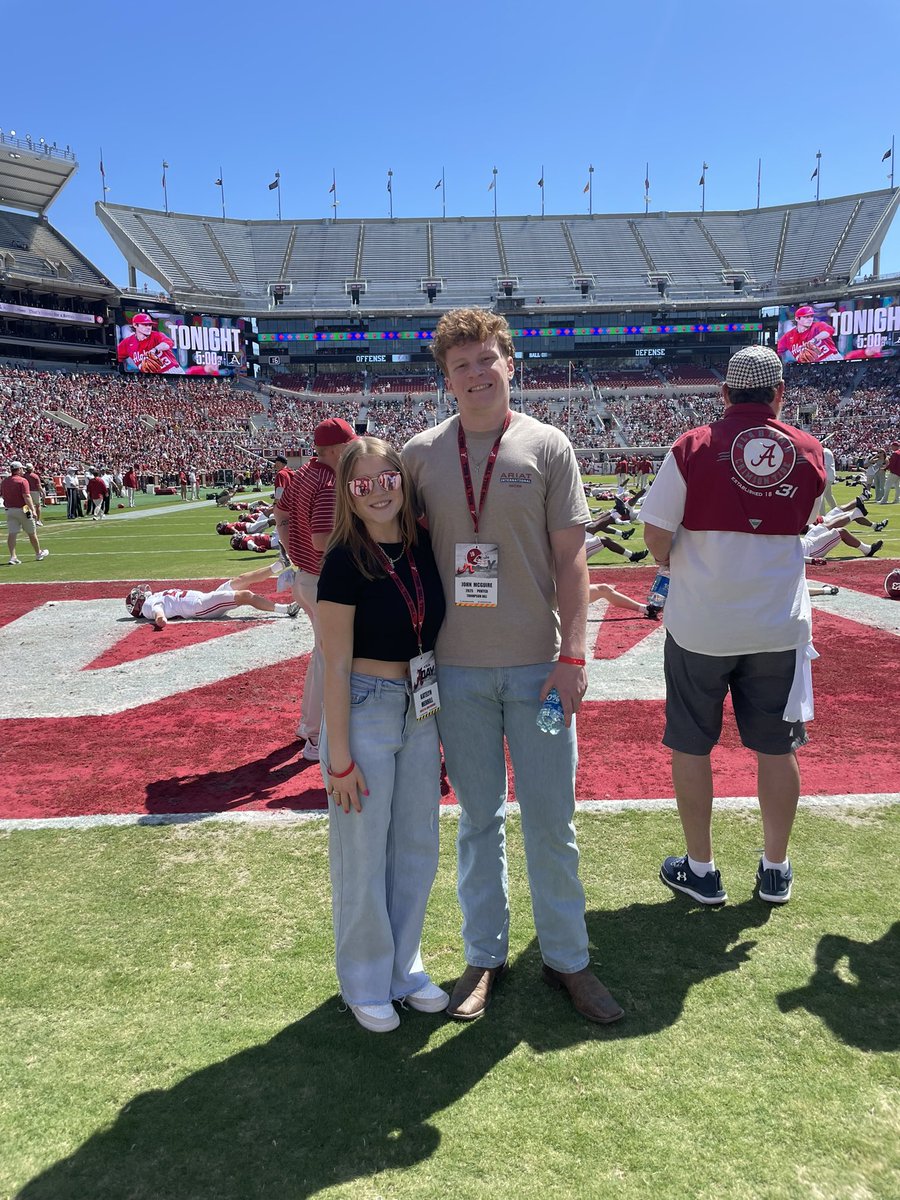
<point x="725" y="514"/>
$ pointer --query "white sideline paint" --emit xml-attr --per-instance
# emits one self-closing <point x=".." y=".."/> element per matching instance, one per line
<point x="290" y="816"/>
<point x="638" y="673"/>
<point x="58" y="639"/>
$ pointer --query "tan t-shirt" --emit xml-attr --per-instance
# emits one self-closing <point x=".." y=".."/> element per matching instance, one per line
<point x="535" y="490"/>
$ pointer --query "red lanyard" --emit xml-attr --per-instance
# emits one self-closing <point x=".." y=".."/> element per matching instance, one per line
<point x="417" y="610"/>
<point x="488" y="471"/>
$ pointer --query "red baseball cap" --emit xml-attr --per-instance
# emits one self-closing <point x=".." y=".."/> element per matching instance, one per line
<point x="805" y="310"/>
<point x="141" y="319"/>
<point x="333" y="432"/>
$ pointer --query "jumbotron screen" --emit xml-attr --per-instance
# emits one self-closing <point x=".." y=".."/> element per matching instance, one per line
<point x="158" y="343"/>
<point x="846" y="329"/>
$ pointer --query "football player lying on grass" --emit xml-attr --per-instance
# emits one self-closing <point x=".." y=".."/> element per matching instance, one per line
<point x="162" y="607"/>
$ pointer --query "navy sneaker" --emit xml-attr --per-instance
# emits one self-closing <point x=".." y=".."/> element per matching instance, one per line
<point x="774" y="886"/>
<point x="676" y="873"/>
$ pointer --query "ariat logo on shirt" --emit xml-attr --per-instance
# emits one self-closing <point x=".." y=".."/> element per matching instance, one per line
<point x="516" y="478"/>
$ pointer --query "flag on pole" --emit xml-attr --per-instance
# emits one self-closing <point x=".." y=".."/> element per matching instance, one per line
<point x="332" y="188"/>
<point x="440" y="183"/>
<point x="103" y="172"/>
<point x="274" y="184"/>
<point x="390" y="189"/>
<point x="540" y="182"/>
<point x="219" y="182"/>
<point x="887" y="154"/>
<point x="702" y="180"/>
<point x="491" y="185"/>
<point x="586" y="188"/>
<point x="815" y="173"/>
<point x="647" y="183"/>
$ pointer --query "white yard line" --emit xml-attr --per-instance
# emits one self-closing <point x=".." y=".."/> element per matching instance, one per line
<point x="290" y="816"/>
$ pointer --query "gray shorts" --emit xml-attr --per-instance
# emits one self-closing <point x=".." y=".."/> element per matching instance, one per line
<point x="696" y="687"/>
<point x="17" y="519"/>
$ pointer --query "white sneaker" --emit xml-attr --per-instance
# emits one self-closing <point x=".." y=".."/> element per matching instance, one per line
<point x="429" y="998"/>
<point x="43" y="554"/>
<point x="310" y="751"/>
<point x="15" y="562"/>
<point x="378" y="1018"/>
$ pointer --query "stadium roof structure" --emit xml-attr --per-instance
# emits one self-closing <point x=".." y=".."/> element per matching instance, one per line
<point x="32" y="174"/>
<point x="757" y="256"/>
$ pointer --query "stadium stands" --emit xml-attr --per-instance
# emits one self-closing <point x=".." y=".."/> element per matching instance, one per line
<point x="56" y="419"/>
<point x="30" y="248"/>
<point x="622" y="259"/>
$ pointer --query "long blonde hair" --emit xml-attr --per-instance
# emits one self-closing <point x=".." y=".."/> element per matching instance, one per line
<point x="349" y="531"/>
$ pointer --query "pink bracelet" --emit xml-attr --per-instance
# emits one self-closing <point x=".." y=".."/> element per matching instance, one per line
<point x="573" y="662"/>
<point x="340" y="774"/>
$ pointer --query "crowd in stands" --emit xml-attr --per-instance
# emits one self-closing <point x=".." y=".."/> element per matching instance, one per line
<point x="403" y="385"/>
<point x="338" y="383"/>
<point x="58" y="420"/>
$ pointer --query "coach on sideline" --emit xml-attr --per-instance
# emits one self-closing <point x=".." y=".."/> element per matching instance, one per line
<point x="16" y="497"/>
<point x="725" y="513"/>
<point x="304" y="516"/>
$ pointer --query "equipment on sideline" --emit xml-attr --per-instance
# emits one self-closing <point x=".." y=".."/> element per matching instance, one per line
<point x="892" y="584"/>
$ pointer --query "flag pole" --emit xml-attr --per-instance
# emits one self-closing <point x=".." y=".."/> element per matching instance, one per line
<point x="818" y="173"/>
<point x="222" y="188"/>
<point x="893" y="160"/>
<point x="334" y="201"/>
<point x="542" y="189"/>
<point x="390" y="194"/>
<point x="591" y="190"/>
<point x="758" y="179"/>
<point x="646" y="188"/>
<point x="443" y="195"/>
<point x="495" y="193"/>
<point x="103" y="188"/>
<point x="278" y="189"/>
<point x="165" y="187"/>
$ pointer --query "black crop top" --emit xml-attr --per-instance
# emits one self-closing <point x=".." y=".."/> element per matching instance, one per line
<point x="382" y="626"/>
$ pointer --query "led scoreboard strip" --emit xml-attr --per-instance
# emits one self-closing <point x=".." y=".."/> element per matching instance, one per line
<point x="426" y="335"/>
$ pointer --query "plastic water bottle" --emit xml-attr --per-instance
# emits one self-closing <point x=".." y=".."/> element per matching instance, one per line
<point x="659" y="591"/>
<point x="551" y="718"/>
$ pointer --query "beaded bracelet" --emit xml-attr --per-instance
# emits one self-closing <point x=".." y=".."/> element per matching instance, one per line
<point x="573" y="662"/>
<point x="341" y="774"/>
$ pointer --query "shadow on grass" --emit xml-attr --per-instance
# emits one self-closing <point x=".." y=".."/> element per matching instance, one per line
<point x="862" y="1012"/>
<point x="324" y="1102"/>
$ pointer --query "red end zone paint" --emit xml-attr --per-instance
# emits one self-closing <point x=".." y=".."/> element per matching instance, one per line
<point x="230" y="745"/>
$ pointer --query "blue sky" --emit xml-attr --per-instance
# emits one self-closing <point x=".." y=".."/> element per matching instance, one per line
<point x="463" y="87"/>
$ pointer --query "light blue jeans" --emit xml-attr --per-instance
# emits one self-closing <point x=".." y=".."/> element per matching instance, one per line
<point x="479" y="706"/>
<point x="383" y="860"/>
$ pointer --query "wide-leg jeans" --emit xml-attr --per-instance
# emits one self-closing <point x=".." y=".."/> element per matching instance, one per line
<point x="383" y="860"/>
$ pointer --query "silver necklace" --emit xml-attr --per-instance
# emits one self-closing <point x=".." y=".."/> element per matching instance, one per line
<point x="392" y="561"/>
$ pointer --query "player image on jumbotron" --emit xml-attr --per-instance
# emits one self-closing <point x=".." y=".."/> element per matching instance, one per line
<point x="146" y="349"/>
<point x="810" y="340"/>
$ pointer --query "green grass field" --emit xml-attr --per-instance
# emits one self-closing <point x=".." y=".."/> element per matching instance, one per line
<point x="169" y="1024"/>
<point x="181" y="543"/>
<point x="171" y="1029"/>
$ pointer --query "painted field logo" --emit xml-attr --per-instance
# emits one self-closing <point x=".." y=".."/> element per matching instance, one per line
<point x="763" y="457"/>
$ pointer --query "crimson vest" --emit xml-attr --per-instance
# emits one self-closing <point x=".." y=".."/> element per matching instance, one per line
<point x="749" y="473"/>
